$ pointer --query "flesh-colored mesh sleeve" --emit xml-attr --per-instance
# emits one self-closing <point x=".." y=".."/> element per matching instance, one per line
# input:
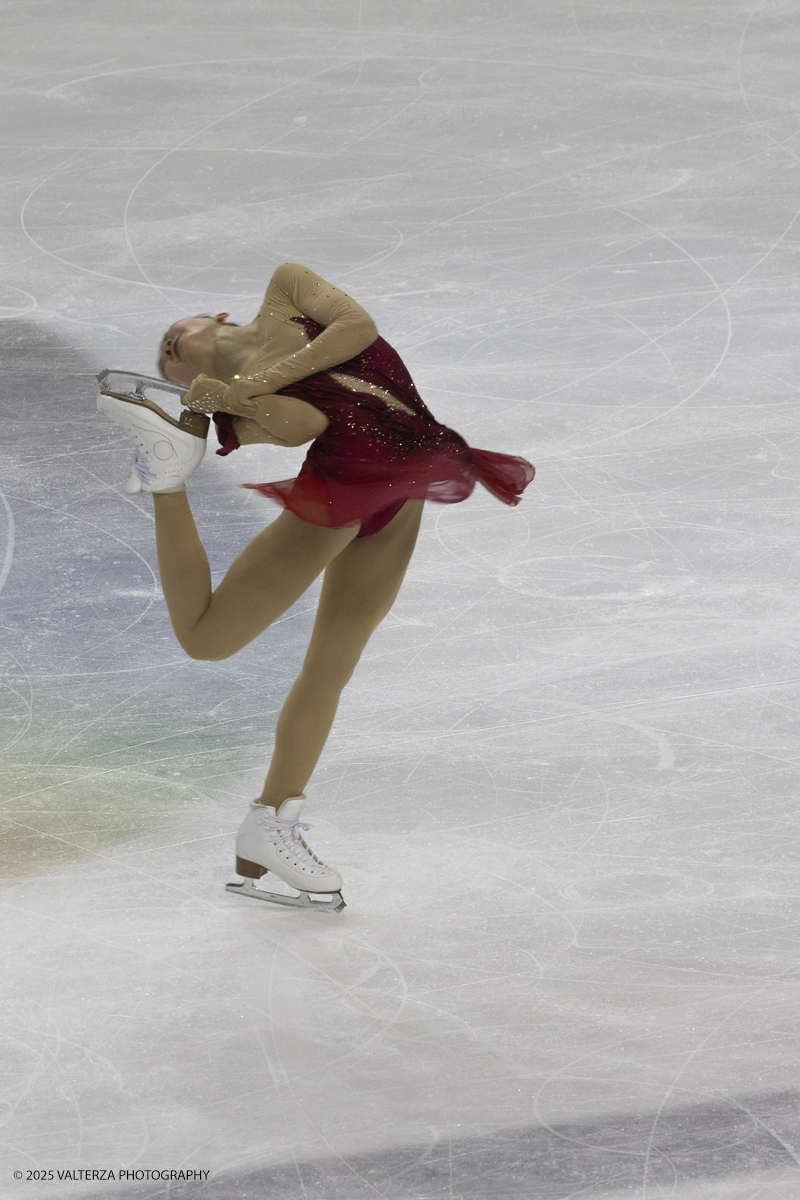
<point x="296" y="291"/>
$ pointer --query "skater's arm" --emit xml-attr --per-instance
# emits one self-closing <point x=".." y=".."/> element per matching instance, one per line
<point x="283" y="420"/>
<point x="294" y="291"/>
<point x="287" y="421"/>
<point x="295" y="433"/>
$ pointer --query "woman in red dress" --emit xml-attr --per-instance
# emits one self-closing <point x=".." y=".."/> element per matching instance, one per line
<point x="310" y="368"/>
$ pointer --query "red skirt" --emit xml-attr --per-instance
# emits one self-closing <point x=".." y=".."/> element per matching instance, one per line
<point x="372" y="458"/>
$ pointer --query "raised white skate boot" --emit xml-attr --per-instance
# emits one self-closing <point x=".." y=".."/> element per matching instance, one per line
<point x="271" y="841"/>
<point x="166" y="450"/>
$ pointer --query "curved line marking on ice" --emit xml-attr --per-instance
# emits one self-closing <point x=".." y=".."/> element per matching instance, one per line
<point x="146" y="281"/>
<point x="10" y="542"/>
<point x="7" y="313"/>
<point x="192" y="62"/>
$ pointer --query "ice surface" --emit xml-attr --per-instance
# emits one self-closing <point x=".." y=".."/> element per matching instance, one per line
<point x="562" y="786"/>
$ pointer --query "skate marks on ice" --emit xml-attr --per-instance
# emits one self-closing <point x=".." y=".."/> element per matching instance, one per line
<point x="99" y="745"/>
<point x="576" y="223"/>
<point x="675" y="1153"/>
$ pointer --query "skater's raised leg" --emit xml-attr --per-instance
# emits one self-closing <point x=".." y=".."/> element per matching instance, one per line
<point x="182" y="562"/>
<point x="268" y="576"/>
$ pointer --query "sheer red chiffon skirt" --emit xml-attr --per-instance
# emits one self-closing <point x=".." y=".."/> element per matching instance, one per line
<point x="372" y="457"/>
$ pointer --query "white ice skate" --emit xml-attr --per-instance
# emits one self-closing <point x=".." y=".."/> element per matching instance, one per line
<point x="166" y="450"/>
<point x="271" y="841"/>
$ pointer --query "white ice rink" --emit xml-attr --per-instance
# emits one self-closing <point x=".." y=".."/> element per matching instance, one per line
<point x="563" y="785"/>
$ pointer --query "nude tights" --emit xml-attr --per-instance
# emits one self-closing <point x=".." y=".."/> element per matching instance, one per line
<point x="362" y="578"/>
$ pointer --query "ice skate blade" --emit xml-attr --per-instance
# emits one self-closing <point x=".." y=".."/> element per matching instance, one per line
<point x="134" y="389"/>
<point x="328" y="902"/>
<point x="134" y="386"/>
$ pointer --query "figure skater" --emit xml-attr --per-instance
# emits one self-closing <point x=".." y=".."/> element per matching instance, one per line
<point x="310" y="368"/>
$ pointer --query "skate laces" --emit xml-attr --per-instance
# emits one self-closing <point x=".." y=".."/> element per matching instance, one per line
<point x="141" y="466"/>
<point x="282" y="826"/>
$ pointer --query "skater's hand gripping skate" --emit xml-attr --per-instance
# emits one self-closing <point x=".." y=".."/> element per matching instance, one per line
<point x="207" y="395"/>
<point x="281" y="420"/>
<point x="239" y="398"/>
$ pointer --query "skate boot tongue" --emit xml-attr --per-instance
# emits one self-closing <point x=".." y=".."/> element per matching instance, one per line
<point x="290" y="809"/>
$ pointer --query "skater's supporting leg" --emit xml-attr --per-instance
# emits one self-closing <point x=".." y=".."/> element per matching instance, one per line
<point x="359" y="588"/>
<point x="266" y="579"/>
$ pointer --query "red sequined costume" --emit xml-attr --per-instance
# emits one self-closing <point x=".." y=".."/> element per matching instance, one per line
<point x="373" y="457"/>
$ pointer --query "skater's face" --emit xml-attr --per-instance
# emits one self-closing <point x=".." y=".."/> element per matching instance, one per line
<point x="187" y="348"/>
